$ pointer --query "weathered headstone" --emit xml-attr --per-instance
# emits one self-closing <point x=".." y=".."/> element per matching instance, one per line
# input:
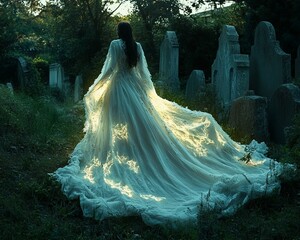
<point x="230" y="70"/>
<point x="169" y="60"/>
<point x="248" y="116"/>
<point x="78" y="91"/>
<point x="285" y="103"/>
<point x="195" y="84"/>
<point x="22" y="72"/>
<point x="270" y="66"/>
<point x="297" y="65"/>
<point x="56" y="76"/>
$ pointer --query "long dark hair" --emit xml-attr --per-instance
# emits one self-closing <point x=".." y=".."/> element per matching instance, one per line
<point x="125" y="33"/>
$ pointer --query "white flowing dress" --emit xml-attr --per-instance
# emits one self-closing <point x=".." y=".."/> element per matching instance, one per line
<point x="145" y="156"/>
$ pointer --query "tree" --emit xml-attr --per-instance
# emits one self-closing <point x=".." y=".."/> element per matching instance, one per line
<point x="154" y="14"/>
<point x="78" y="33"/>
<point x="157" y="17"/>
<point x="196" y="4"/>
<point x="283" y="14"/>
<point x="14" y="25"/>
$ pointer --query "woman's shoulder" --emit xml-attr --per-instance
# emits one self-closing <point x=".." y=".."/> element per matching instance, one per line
<point x="119" y="42"/>
<point x="115" y="41"/>
<point x="115" y="44"/>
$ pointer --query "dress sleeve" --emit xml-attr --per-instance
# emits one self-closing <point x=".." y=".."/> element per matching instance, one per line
<point x="107" y="69"/>
<point x="142" y="68"/>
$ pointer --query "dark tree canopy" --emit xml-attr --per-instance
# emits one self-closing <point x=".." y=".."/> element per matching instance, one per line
<point x="283" y="14"/>
<point x="76" y="33"/>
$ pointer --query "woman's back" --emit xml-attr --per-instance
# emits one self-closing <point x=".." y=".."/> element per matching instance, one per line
<point x="119" y="49"/>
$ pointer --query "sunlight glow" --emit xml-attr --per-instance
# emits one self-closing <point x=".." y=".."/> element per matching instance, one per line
<point x="107" y="166"/>
<point x="131" y="163"/>
<point x="120" y="132"/>
<point x="121" y="159"/>
<point x="147" y="197"/>
<point x="255" y="163"/>
<point x="133" y="166"/>
<point x="220" y="138"/>
<point x="194" y="135"/>
<point x="89" y="174"/>
<point x="194" y="131"/>
<point x="88" y="170"/>
<point x="123" y="189"/>
<point x="92" y="103"/>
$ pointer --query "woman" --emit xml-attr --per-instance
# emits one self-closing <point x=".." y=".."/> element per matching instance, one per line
<point x="143" y="155"/>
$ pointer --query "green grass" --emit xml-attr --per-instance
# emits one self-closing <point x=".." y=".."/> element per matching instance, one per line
<point x="36" y="137"/>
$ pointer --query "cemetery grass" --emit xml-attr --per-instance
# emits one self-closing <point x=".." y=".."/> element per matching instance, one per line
<point x="38" y="134"/>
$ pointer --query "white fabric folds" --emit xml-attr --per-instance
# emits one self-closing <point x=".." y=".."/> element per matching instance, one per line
<point x="143" y="155"/>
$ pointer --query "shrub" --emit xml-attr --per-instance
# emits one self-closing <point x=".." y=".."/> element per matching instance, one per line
<point x="34" y="86"/>
<point x="28" y="121"/>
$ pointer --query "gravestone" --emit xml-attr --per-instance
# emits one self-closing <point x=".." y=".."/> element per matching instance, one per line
<point x="285" y="103"/>
<point x="169" y="60"/>
<point x="270" y="66"/>
<point x="248" y="116"/>
<point x="56" y="76"/>
<point x="230" y="69"/>
<point x="297" y="65"/>
<point x="78" y="89"/>
<point x="195" y="84"/>
<point x="23" y="71"/>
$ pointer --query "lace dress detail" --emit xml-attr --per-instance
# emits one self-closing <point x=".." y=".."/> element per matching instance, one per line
<point x="143" y="155"/>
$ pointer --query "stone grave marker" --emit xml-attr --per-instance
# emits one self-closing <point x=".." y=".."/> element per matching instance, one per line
<point x="248" y="116"/>
<point x="78" y="88"/>
<point x="270" y="66"/>
<point x="56" y="76"/>
<point x="169" y="60"/>
<point x="230" y="69"/>
<point x="285" y="103"/>
<point x="22" y="72"/>
<point x="195" y="84"/>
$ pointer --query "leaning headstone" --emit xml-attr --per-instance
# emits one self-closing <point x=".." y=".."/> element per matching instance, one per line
<point x="297" y="65"/>
<point x="195" y="84"/>
<point x="169" y="60"/>
<point x="10" y="87"/>
<point x="230" y="69"/>
<point x="78" y="91"/>
<point x="56" y="76"/>
<point x="23" y="70"/>
<point x="248" y="116"/>
<point x="285" y="103"/>
<point x="270" y="66"/>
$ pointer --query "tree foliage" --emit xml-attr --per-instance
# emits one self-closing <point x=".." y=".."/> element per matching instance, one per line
<point x="16" y="25"/>
<point x="79" y="30"/>
<point x="154" y="15"/>
<point x="76" y="33"/>
<point x="283" y="14"/>
<point x="194" y="38"/>
<point x="73" y="33"/>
